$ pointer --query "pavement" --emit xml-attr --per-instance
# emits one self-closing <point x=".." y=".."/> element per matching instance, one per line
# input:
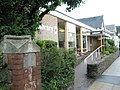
<point x="109" y="80"/>
<point x="80" y="76"/>
<point x="81" y="82"/>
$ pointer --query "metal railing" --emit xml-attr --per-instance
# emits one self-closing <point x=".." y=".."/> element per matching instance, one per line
<point x="96" y="54"/>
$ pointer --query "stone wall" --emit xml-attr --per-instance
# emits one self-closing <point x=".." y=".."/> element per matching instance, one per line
<point x="96" y="69"/>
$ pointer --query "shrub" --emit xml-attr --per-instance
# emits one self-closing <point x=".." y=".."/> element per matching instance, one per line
<point x="57" y="68"/>
<point x="105" y="52"/>
<point x="3" y="87"/>
<point x="111" y="42"/>
<point x="4" y="74"/>
<point x="114" y="48"/>
<point x="46" y="43"/>
<point x="110" y="50"/>
<point x="110" y="47"/>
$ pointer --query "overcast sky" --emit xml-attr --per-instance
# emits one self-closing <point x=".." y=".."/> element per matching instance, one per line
<point x="110" y="9"/>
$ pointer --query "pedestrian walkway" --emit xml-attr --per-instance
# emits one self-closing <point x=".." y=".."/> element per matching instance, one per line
<point x="80" y="77"/>
<point x="81" y="82"/>
<point x="110" y="79"/>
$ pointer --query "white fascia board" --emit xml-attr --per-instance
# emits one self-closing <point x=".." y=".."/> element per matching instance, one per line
<point x="107" y="31"/>
<point x="71" y="20"/>
<point x="106" y="34"/>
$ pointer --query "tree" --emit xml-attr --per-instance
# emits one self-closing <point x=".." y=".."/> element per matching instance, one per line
<point x="118" y="30"/>
<point x="22" y="17"/>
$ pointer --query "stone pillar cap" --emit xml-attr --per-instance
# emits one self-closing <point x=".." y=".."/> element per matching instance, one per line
<point x="19" y="44"/>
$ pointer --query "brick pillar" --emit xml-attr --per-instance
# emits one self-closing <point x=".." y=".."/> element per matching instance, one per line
<point x="24" y="67"/>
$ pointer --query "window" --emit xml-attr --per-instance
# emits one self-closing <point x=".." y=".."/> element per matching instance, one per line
<point x="77" y="37"/>
<point x="61" y="34"/>
<point x="61" y="37"/>
<point x="71" y="39"/>
<point x="84" y="41"/>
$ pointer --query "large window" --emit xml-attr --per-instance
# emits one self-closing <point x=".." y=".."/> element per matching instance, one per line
<point x="84" y="42"/>
<point x="77" y="37"/>
<point x="61" y="38"/>
<point x="71" y="40"/>
<point x="61" y="33"/>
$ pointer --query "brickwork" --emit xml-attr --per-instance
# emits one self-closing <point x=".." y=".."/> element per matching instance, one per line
<point x="23" y="78"/>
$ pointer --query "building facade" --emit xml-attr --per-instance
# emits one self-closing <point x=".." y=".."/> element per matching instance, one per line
<point x="48" y="30"/>
<point x="71" y="33"/>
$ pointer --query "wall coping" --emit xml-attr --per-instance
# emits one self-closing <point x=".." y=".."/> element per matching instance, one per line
<point x="19" y="44"/>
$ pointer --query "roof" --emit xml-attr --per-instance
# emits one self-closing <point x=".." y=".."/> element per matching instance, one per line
<point x="70" y="19"/>
<point x="110" y="27"/>
<point x="65" y="14"/>
<point x="95" y="22"/>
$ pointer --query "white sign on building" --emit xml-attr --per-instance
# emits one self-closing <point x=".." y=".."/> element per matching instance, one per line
<point x="52" y="29"/>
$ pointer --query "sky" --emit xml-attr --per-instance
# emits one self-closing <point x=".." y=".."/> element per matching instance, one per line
<point x="110" y="9"/>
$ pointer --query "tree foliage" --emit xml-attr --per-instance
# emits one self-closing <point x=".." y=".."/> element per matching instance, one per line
<point x="21" y="17"/>
<point x="118" y="30"/>
<point x="110" y="47"/>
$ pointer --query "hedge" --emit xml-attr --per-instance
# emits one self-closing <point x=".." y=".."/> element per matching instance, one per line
<point x="57" y="67"/>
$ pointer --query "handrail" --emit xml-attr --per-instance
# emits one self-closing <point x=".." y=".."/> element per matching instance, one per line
<point x="95" y="54"/>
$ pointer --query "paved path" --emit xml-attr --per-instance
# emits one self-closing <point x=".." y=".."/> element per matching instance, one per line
<point x="81" y="82"/>
<point x="80" y="76"/>
<point x="110" y="79"/>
